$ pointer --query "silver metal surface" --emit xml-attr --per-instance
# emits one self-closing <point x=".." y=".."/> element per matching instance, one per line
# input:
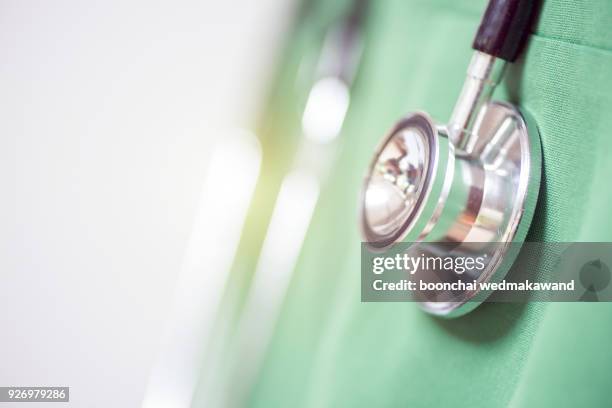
<point x="483" y="75"/>
<point x="491" y="199"/>
<point x="473" y="183"/>
<point x="400" y="179"/>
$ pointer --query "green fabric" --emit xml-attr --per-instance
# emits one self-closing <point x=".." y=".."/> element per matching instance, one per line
<point x="330" y="349"/>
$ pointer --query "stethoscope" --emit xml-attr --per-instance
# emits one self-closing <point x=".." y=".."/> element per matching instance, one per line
<point x="472" y="183"/>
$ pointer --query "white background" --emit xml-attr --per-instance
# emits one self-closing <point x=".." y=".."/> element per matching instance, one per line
<point x="107" y="113"/>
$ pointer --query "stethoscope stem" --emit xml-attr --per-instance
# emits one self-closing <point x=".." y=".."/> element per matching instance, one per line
<point x="483" y="74"/>
<point x="500" y="37"/>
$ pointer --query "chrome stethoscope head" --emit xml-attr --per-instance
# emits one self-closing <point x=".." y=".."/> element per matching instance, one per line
<point x="473" y="182"/>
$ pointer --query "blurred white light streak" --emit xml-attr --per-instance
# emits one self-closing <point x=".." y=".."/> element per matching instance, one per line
<point x="325" y="110"/>
<point x="288" y="226"/>
<point x="226" y="195"/>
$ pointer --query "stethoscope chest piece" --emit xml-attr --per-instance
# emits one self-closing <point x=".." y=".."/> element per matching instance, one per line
<point x="473" y="186"/>
<point x="467" y="188"/>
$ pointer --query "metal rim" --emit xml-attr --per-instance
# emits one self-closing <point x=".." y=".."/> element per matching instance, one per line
<point x="423" y="122"/>
<point x="523" y="208"/>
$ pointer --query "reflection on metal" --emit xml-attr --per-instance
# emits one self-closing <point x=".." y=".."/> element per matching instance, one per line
<point x="399" y="175"/>
<point x="224" y="200"/>
<point x="483" y="75"/>
<point x="473" y="182"/>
